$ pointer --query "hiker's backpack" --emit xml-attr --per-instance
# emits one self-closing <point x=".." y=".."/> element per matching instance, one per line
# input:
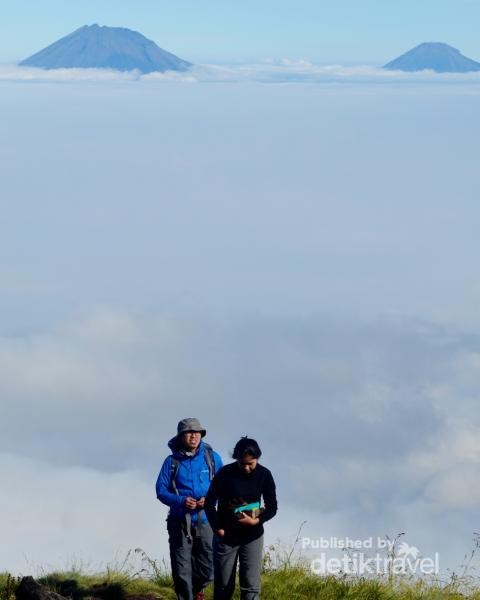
<point x="209" y="459"/>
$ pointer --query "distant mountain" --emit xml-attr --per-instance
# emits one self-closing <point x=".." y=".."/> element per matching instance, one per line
<point x="436" y="56"/>
<point x="106" y="48"/>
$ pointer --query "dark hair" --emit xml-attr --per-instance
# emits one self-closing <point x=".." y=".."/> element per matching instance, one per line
<point x="246" y="446"/>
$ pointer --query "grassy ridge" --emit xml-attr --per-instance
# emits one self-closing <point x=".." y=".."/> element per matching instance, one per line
<point x="292" y="583"/>
<point x="285" y="575"/>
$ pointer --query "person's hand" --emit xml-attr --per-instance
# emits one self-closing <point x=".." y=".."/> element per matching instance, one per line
<point x="220" y="532"/>
<point x="201" y="502"/>
<point x="190" y="503"/>
<point x="246" y="520"/>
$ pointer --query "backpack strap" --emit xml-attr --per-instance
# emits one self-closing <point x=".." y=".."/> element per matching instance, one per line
<point x="209" y="459"/>
<point x="187" y="519"/>
<point x="173" y="474"/>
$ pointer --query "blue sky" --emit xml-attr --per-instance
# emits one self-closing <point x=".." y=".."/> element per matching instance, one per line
<point x="348" y="31"/>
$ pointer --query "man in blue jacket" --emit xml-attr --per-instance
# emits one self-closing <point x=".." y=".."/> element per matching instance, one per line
<point x="182" y="485"/>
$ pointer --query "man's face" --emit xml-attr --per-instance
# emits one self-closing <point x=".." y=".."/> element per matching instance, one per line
<point x="191" y="440"/>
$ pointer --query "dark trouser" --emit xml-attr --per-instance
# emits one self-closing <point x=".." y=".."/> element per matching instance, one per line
<point x="192" y="560"/>
<point x="225" y="557"/>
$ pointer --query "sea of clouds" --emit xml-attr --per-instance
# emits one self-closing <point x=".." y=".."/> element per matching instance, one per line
<point x="296" y="262"/>
<point x="370" y="429"/>
<point x="269" y="71"/>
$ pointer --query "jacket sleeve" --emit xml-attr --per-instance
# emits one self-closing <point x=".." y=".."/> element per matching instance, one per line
<point x="211" y="504"/>
<point x="269" y="494"/>
<point x="164" y="493"/>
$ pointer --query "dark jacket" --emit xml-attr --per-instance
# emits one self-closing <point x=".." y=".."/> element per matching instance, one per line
<point x="231" y="487"/>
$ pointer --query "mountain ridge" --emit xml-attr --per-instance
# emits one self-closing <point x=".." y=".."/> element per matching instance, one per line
<point x="102" y="47"/>
<point x="435" y="56"/>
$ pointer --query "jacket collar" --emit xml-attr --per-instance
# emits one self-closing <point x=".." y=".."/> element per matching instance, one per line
<point x="181" y="454"/>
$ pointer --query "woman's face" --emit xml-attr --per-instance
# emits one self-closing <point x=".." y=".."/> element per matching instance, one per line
<point x="247" y="463"/>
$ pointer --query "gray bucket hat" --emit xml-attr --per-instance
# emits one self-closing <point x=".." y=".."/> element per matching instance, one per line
<point x="191" y="424"/>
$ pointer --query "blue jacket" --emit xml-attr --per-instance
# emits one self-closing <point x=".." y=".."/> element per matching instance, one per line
<point x="192" y="479"/>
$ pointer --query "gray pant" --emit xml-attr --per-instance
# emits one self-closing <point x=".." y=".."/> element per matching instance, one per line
<point x="191" y="560"/>
<point x="225" y="557"/>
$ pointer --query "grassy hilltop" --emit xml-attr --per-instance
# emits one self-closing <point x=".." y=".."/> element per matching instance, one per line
<point x="284" y="576"/>
<point x="292" y="583"/>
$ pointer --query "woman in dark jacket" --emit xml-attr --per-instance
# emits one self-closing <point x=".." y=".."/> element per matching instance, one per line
<point x="238" y="520"/>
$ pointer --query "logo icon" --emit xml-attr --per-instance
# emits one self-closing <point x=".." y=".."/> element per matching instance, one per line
<point x="405" y="551"/>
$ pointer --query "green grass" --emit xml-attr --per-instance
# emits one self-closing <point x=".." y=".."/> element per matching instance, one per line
<point x="8" y="584"/>
<point x="290" y="582"/>
<point x="139" y="577"/>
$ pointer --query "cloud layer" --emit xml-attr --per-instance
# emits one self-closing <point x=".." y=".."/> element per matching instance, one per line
<point x="246" y="254"/>
<point x="369" y="429"/>
<point x="269" y="71"/>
